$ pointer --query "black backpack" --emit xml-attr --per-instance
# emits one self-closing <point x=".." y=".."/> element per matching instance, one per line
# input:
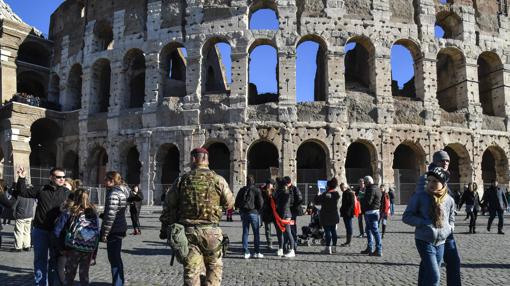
<point x="248" y="200"/>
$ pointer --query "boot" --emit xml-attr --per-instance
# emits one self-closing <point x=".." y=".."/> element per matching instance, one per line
<point x="366" y="251"/>
<point x="470" y="229"/>
<point x="474" y="229"/>
<point x="347" y="242"/>
<point x="333" y="249"/>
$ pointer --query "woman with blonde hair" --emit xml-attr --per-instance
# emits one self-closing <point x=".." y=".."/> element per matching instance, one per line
<point x="472" y="200"/>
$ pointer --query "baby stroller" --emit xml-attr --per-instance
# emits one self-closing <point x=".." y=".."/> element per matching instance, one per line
<point x="312" y="234"/>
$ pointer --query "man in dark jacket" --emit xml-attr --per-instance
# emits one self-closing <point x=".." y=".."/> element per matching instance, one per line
<point x="295" y="208"/>
<point x="49" y="199"/>
<point x="496" y="201"/>
<point x="370" y="205"/>
<point x="23" y="214"/>
<point x="249" y="201"/>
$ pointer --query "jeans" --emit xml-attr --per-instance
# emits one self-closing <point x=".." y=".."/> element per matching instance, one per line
<point x="293" y="229"/>
<point x="473" y="215"/>
<point x="392" y="208"/>
<point x="284" y="238"/>
<point x="452" y="260"/>
<point x="360" y="224"/>
<point x="253" y="220"/>
<point x="492" y="215"/>
<point x="330" y="232"/>
<point x="431" y="256"/>
<point x="45" y="271"/>
<point x="267" y="232"/>
<point x="372" y="230"/>
<point x="113" y="248"/>
<point x="348" y="225"/>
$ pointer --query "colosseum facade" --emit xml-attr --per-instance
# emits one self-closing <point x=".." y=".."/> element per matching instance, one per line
<point x="132" y="100"/>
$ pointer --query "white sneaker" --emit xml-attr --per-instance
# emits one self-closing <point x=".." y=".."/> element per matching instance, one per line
<point x="279" y="252"/>
<point x="290" y="254"/>
<point x="258" y="255"/>
<point x="247" y="255"/>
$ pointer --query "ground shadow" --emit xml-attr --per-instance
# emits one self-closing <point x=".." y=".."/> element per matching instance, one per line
<point x="147" y="251"/>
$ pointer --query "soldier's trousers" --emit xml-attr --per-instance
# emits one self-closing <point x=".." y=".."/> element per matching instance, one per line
<point x="204" y="250"/>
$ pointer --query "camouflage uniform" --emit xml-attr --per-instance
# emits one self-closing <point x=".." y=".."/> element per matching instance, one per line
<point x="196" y="200"/>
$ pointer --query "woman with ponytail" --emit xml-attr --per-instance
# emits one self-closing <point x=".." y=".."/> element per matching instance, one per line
<point x="432" y="214"/>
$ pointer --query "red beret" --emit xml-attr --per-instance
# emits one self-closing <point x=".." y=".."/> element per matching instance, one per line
<point x="199" y="150"/>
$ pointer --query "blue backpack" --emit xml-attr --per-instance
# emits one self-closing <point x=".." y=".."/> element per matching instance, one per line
<point x="83" y="233"/>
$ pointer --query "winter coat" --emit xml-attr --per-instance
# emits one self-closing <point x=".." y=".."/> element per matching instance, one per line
<point x="24" y="208"/>
<point x="266" y="213"/>
<point x="135" y="202"/>
<point x="5" y="203"/>
<point x="385" y="205"/>
<point x="114" y="215"/>
<point x="63" y="224"/>
<point x="297" y="200"/>
<point x="372" y="199"/>
<point x="49" y="199"/>
<point x="472" y="201"/>
<point x="329" y="211"/>
<point x="347" y="207"/>
<point x="417" y="214"/>
<point x="255" y="200"/>
<point x="284" y="201"/>
<point x="495" y="198"/>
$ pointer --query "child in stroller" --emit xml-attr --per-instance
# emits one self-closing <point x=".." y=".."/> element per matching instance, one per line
<point x="313" y="234"/>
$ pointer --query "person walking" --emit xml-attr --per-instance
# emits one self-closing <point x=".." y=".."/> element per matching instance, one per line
<point x="266" y="214"/>
<point x="49" y="200"/>
<point x="194" y="205"/>
<point x="391" y="194"/>
<point x="472" y="200"/>
<point x="347" y="212"/>
<point x="370" y="205"/>
<point x="384" y="209"/>
<point x="328" y="215"/>
<point x="23" y="213"/>
<point x="78" y="225"/>
<point x="496" y="201"/>
<point x="135" y="206"/>
<point x="283" y="201"/>
<point x="249" y="201"/>
<point x="295" y="208"/>
<point x="5" y="202"/>
<point x="114" y="225"/>
<point x="360" y="193"/>
<point x="432" y="213"/>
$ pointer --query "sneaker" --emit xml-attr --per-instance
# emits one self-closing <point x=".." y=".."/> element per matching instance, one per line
<point x="366" y="251"/>
<point x="26" y="249"/>
<point x="279" y="252"/>
<point x="500" y="232"/>
<point x="247" y="255"/>
<point x="258" y="255"/>
<point x="290" y="254"/>
<point x="376" y="253"/>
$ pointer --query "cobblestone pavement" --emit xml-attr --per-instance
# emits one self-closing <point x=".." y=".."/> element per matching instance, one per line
<point x="485" y="260"/>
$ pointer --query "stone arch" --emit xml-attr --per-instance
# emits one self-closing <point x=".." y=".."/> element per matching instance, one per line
<point x="168" y="165"/>
<point x="451" y="79"/>
<point x="414" y="88"/>
<point x="97" y="162"/>
<point x="461" y="171"/>
<point x="262" y="157"/>
<point x="408" y="164"/>
<point x="494" y="165"/>
<point x="134" y="72"/>
<point x="361" y="160"/>
<point x="214" y="71"/>
<point x="31" y="83"/>
<point x="172" y="66"/>
<point x="491" y="84"/>
<point x="131" y="165"/>
<point x="43" y="143"/>
<point x="254" y="95"/>
<point x="360" y="65"/>
<point x="321" y="59"/>
<point x="311" y="162"/>
<point x="103" y="36"/>
<point x="451" y="24"/>
<point x="99" y="100"/>
<point x="71" y="164"/>
<point x="258" y="6"/>
<point x="34" y="53"/>
<point x="74" y="88"/>
<point x="220" y="159"/>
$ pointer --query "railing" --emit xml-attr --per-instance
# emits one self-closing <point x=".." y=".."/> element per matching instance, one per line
<point x="38" y="176"/>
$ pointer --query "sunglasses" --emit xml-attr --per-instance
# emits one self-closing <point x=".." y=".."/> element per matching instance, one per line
<point x="60" y="177"/>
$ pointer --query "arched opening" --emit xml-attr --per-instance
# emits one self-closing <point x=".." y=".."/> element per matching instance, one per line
<point x="406" y="70"/>
<point x="173" y="70"/>
<point x="450" y="24"/>
<point x="74" y="87"/>
<point x="54" y="90"/>
<point x="71" y="165"/>
<point x="217" y="66"/>
<point x="460" y="166"/>
<point x="311" y="163"/>
<point x="359" y="162"/>
<point x="98" y="160"/>
<point x="263" y="75"/>
<point x="262" y="157"/>
<point x="43" y="149"/>
<point x="101" y="76"/>
<point x="491" y="84"/>
<point x="30" y="83"/>
<point x="134" y="72"/>
<point x="103" y="36"/>
<point x="408" y="163"/>
<point x="34" y="53"/>
<point x="451" y="80"/>
<point x="168" y="168"/>
<point x="133" y="166"/>
<point x="360" y="65"/>
<point x="263" y="16"/>
<point x="311" y="70"/>
<point x="219" y="160"/>
<point x="494" y="166"/>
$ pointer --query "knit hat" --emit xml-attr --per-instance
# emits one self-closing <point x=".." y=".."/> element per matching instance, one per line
<point x="368" y="180"/>
<point x="439" y="156"/>
<point x="440" y="174"/>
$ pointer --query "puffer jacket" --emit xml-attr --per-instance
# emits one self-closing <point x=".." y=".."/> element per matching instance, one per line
<point x="114" y="216"/>
<point x="417" y="214"/>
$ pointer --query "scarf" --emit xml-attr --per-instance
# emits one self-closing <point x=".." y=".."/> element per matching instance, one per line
<point x="280" y="223"/>
<point x="436" y="212"/>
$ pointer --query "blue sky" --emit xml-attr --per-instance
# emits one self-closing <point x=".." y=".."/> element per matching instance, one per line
<point x="263" y="59"/>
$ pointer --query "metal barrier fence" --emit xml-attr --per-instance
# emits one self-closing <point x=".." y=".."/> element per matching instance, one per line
<point x="38" y="176"/>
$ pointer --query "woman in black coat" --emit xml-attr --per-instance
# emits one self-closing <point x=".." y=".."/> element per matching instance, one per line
<point x="328" y="215"/>
<point x="347" y="212"/>
<point x="266" y="214"/>
<point x="472" y="200"/>
<point x="284" y="201"/>
<point x="135" y="205"/>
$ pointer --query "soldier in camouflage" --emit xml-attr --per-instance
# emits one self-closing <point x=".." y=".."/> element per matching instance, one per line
<point x="196" y="200"/>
